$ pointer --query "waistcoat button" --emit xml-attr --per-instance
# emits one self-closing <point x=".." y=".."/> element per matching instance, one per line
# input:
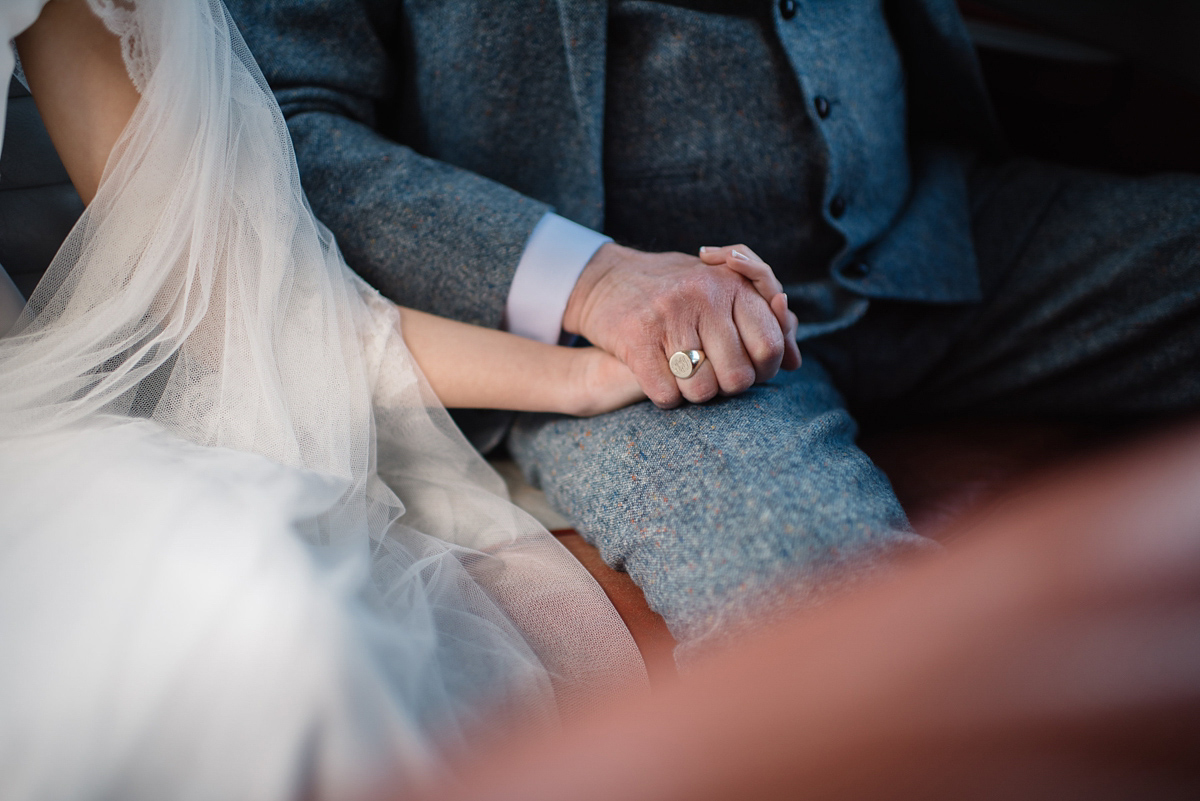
<point x="857" y="269"/>
<point x="787" y="8"/>
<point x="822" y="105"/>
<point x="837" y="207"/>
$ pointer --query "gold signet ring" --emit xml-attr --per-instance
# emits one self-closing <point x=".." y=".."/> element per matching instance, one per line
<point x="684" y="363"/>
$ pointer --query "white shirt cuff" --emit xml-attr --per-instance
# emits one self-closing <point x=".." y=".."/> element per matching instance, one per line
<point x="554" y="256"/>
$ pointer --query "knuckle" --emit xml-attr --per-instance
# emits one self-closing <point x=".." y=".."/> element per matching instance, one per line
<point x="697" y="284"/>
<point x="702" y="392"/>
<point x="683" y="293"/>
<point x="647" y="337"/>
<point x="725" y="286"/>
<point x="702" y="290"/>
<point x="738" y="380"/>
<point x="766" y="351"/>
<point x="660" y="308"/>
<point x="749" y="298"/>
<point x="714" y="296"/>
<point x="664" y="399"/>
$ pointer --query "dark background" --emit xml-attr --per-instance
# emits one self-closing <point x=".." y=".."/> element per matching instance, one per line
<point x="1137" y="111"/>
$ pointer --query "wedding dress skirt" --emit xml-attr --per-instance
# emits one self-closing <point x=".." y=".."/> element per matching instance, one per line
<point x="244" y="553"/>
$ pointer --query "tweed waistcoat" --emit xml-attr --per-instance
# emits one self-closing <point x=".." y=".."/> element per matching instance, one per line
<point x="707" y="139"/>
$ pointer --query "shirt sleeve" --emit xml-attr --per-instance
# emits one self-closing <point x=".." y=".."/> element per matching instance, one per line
<point x="554" y="256"/>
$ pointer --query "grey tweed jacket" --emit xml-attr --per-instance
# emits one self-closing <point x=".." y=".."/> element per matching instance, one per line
<point x="432" y="135"/>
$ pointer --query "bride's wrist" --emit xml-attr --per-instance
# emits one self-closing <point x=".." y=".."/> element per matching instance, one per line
<point x="596" y="383"/>
<point x="572" y="396"/>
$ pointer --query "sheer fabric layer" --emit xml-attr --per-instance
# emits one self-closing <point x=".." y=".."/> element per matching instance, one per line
<point x="211" y="586"/>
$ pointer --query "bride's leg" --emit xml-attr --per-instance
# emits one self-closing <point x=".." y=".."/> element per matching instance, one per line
<point x="78" y="79"/>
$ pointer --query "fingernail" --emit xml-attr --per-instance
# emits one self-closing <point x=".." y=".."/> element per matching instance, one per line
<point x="740" y="256"/>
<point x="705" y="248"/>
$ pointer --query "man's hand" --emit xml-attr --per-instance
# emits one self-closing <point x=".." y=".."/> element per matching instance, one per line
<point x="642" y="307"/>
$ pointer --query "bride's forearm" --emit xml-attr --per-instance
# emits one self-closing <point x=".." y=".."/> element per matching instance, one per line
<point x="78" y="80"/>
<point x="473" y="367"/>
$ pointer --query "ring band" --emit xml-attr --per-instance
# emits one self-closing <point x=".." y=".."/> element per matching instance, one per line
<point x="684" y="363"/>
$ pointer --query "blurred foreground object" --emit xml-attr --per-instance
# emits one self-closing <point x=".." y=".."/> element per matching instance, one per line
<point x="1054" y="652"/>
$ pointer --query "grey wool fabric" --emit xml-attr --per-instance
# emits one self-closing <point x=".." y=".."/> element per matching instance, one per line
<point x="851" y="143"/>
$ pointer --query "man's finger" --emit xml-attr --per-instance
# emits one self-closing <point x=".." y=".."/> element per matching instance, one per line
<point x="789" y="323"/>
<point x="702" y="385"/>
<point x="760" y="333"/>
<point x="723" y="345"/>
<point x="757" y="273"/>
<point x="653" y="373"/>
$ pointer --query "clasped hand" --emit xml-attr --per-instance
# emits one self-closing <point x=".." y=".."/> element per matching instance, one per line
<point x="642" y="307"/>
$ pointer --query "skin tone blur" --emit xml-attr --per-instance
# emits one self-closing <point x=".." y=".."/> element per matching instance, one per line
<point x="1053" y="652"/>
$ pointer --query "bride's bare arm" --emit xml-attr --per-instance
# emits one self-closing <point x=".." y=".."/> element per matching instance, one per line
<point x="78" y="79"/>
<point x="475" y="367"/>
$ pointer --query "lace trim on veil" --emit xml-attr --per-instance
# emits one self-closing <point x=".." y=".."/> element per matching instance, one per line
<point x="120" y="17"/>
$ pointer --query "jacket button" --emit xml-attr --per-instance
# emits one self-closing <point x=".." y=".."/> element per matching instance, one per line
<point x="822" y="105"/>
<point x="787" y="8"/>
<point x="837" y="207"/>
<point x="857" y="270"/>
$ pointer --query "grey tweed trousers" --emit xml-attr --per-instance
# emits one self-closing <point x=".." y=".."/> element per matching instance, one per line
<point x="744" y="506"/>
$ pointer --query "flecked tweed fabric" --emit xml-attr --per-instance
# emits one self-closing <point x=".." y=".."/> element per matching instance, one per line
<point x="1091" y="310"/>
<point x="431" y="136"/>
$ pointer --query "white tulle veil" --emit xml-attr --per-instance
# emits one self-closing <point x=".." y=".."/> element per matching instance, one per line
<point x="222" y="473"/>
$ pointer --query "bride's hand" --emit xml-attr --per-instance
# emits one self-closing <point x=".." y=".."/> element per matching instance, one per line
<point x="600" y="382"/>
<point x="480" y="368"/>
<point x="746" y="263"/>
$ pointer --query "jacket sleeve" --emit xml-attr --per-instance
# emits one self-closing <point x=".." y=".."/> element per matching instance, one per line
<point x="425" y="233"/>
